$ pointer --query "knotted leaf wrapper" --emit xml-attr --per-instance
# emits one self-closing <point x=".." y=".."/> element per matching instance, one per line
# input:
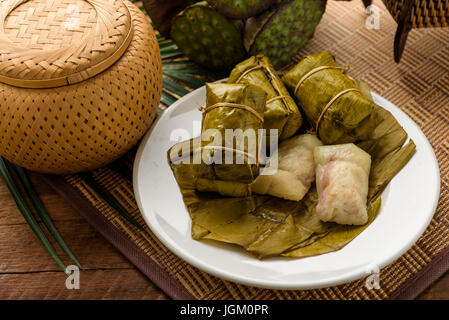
<point x="266" y="226"/>
<point x="350" y="118"/>
<point x="281" y="111"/>
<point x="216" y="161"/>
<point x="353" y="117"/>
<point x="232" y="119"/>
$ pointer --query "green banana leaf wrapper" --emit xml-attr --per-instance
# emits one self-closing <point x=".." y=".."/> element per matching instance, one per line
<point x="281" y="111"/>
<point x="239" y="162"/>
<point x="267" y="226"/>
<point x="195" y="175"/>
<point x="352" y="118"/>
<point x="213" y="162"/>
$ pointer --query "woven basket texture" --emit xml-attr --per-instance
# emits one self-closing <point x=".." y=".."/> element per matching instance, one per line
<point x="107" y="54"/>
<point x="425" y="13"/>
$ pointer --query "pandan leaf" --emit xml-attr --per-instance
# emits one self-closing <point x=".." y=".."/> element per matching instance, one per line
<point x="27" y="214"/>
<point x="98" y="188"/>
<point x="167" y="98"/>
<point x="170" y="54"/>
<point x="173" y="86"/>
<point x="40" y="209"/>
<point x="189" y="80"/>
<point x="165" y="46"/>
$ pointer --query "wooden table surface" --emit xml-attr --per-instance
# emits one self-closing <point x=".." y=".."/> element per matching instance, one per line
<point x="28" y="272"/>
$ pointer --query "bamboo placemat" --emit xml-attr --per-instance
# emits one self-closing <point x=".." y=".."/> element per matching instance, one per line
<point x="419" y="85"/>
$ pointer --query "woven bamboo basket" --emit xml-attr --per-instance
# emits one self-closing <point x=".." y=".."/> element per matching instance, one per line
<point x="80" y="82"/>
<point x="411" y="14"/>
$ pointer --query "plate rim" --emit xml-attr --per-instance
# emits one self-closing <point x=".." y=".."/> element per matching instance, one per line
<point x="354" y="274"/>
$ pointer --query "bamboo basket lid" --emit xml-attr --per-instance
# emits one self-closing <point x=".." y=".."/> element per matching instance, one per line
<point x="52" y="43"/>
<point x="80" y="82"/>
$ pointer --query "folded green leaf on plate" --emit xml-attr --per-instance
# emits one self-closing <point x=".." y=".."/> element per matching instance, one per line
<point x="337" y="236"/>
<point x="230" y="128"/>
<point x="351" y="117"/>
<point x="385" y="169"/>
<point x="268" y="226"/>
<point x="281" y="112"/>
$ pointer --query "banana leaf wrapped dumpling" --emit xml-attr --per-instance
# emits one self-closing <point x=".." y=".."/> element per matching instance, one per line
<point x="231" y="124"/>
<point x="341" y="110"/>
<point x="225" y="158"/>
<point x="281" y="111"/>
<point x="332" y="102"/>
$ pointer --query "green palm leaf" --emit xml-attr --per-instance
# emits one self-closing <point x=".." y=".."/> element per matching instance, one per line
<point x="40" y="209"/>
<point x="180" y="75"/>
<point x="27" y="214"/>
<point x="98" y="188"/>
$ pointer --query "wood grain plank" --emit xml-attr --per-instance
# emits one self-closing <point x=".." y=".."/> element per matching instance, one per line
<point x="439" y="290"/>
<point x="27" y="272"/>
<point x="58" y="209"/>
<point x="97" y="284"/>
<point x="20" y="251"/>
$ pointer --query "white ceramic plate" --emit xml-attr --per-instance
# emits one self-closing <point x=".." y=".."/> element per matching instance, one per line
<point x="408" y="205"/>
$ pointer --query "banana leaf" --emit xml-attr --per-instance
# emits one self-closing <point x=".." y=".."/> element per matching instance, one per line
<point x="353" y="117"/>
<point x="350" y="118"/>
<point x="281" y="111"/>
<point x="267" y="226"/>
<point x="193" y="174"/>
<point x="232" y="119"/>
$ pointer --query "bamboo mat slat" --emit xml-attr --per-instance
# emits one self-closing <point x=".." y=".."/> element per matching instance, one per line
<point x="419" y="85"/>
